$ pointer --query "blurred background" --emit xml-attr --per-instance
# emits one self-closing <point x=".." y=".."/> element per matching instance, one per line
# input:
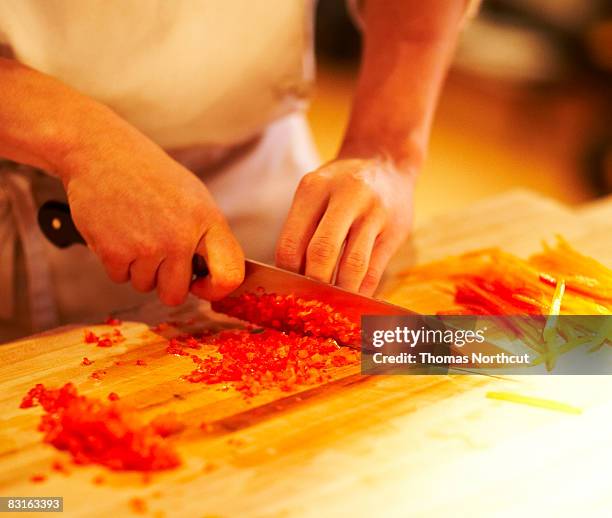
<point x="527" y="103"/>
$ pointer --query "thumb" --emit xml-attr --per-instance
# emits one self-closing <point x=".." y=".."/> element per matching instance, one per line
<point x="225" y="261"/>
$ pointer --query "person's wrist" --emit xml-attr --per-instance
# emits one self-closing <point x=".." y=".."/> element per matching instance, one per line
<point x="92" y="131"/>
<point x="406" y="157"/>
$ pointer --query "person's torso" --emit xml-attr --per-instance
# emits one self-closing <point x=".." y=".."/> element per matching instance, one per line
<point x="185" y="72"/>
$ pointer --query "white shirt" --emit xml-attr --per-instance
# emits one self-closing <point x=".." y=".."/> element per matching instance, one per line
<point x="184" y="72"/>
<point x="193" y="75"/>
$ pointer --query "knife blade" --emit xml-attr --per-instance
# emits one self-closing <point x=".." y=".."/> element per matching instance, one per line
<point x="275" y="280"/>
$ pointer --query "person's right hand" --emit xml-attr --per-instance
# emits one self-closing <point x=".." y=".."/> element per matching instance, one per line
<point x="145" y="216"/>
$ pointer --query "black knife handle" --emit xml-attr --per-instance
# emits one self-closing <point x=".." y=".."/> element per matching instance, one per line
<point x="199" y="268"/>
<point x="56" y="224"/>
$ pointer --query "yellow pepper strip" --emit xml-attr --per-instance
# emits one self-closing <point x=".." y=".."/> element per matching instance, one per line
<point x="548" y="404"/>
<point x="550" y="329"/>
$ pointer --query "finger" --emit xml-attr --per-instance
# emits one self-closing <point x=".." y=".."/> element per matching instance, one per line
<point x="308" y="206"/>
<point x="355" y="259"/>
<point x="384" y="248"/>
<point x="326" y="244"/>
<point x="143" y="273"/>
<point x="225" y="261"/>
<point x="116" y="264"/>
<point x="173" y="278"/>
<point x="118" y="272"/>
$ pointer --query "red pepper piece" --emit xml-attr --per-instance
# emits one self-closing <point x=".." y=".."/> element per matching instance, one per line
<point x="105" y="342"/>
<point x="91" y="337"/>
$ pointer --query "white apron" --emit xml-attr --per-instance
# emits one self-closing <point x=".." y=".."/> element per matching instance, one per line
<point x="196" y="80"/>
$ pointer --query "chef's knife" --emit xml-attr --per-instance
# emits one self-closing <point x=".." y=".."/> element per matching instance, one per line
<point x="56" y="224"/>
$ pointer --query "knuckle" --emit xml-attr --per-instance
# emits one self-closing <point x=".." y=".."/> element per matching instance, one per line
<point x="371" y="279"/>
<point x="322" y="249"/>
<point x="288" y="250"/>
<point x="369" y="195"/>
<point x="209" y="216"/>
<point x="358" y="179"/>
<point x="146" y="248"/>
<point x="356" y="261"/>
<point x="172" y="298"/>
<point x="310" y="181"/>
<point x="112" y="256"/>
<point x="116" y="275"/>
<point x="358" y="175"/>
<point x="378" y="213"/>
<point x="178" y="247"/>
<point x="143" y="285"/>
<point x="377" y="202"/>
<point x="361" y="193"/>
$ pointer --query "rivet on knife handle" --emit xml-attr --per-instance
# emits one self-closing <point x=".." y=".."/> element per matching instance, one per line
<point x="56" y="224"/>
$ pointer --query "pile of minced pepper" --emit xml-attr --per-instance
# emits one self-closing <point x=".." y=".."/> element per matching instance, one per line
<point x="297" y="344"/>
<point x="93" y="431"/>
<point x="257" y="359"/>
<point x="293" y="314"/>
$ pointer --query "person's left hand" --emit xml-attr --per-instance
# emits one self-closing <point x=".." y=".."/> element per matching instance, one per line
<point x="350" y="213"/>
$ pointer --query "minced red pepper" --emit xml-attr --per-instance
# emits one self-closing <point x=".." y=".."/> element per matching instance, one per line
<point x="178" y="345"/>
<point x="98" y="375"/>
<point x="292" y="313"/>
<point x="59" y="467"/>
<point x="138" y="505"/>
<point x="91" y="337"/>
<point x="297" y="345"/>
<point x="104" y="340"/>
<point x="96" y="432"/>
<point x="269" y="359"/>
<point x="167" y="424"/>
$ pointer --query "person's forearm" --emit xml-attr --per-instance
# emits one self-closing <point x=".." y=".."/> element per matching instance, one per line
<point x="407" y="49"/>
<point x="42" y="121"/>
<point x="113" y="174"/>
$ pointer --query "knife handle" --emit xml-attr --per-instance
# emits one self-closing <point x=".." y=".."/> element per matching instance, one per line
<point x="55" y="222"/>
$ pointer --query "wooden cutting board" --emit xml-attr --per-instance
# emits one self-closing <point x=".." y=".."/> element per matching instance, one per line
<point x="360" y="446"/>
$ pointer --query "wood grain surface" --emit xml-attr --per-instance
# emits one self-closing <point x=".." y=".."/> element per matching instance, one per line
<point x="357" y="446"/>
